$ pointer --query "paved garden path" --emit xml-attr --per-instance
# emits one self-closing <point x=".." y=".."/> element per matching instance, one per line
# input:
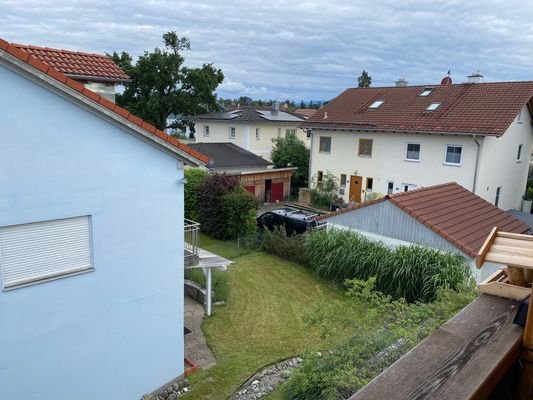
<point x="196" y="348"/>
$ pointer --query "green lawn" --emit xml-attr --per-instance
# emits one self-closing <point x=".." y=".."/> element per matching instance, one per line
<point x="262" y="321"/>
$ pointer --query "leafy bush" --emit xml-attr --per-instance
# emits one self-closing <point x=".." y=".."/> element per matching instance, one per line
<point x="226" y="209"/>
<point x="292" y="152"/>
<point x="414" y="273"/>
<point x="287" y="247"/>
<point x="195" y="179"/>
<point x="238" y="211"/>
<point x="219" y="281"/>
<point x="339" y="373"/>
<point x="325" y="191"/>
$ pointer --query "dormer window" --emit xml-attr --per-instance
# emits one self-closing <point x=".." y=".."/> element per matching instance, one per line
<point x="426" y="92"/>
<point x="376" y="104"/>
<point x="433" y="107"/>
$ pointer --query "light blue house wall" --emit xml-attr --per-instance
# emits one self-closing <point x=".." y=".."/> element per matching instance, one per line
<point x="116" y="332"/>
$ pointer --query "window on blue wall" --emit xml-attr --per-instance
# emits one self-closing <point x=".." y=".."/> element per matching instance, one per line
<point x="41" y="251"/>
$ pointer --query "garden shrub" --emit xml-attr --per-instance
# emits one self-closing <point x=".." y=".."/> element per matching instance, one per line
<point x="287" y="247"/>
<point x="219" y="281"/>
<point x="394" y="327"/>
<point x="238" y="211"/>
<point x="195" y="179"/>
<point x="225" y="208"/>
<point x="414" y="273"/>
<point x="325" y="191"/>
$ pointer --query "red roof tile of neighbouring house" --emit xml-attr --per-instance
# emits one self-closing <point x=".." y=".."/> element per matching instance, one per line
<point x="120" y="112"/>
<point x="453" y="212"/>
<point x="467" y="108"/>
<point x="306" y="112"/>
<point x="76" y="64"/>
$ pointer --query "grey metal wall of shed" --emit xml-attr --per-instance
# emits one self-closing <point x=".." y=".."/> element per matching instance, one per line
<point x="388" y="220"/>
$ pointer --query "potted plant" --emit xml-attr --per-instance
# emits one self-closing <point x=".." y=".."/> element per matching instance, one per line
<point x="527" y="200"/>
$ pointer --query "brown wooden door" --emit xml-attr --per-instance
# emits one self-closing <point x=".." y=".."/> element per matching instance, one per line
<point x="356" y="184"/>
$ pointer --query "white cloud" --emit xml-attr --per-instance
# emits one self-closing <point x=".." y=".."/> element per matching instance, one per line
<point x="280" y="49"/>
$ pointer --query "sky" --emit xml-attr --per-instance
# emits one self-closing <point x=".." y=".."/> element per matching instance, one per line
<point x="310" y="50"/>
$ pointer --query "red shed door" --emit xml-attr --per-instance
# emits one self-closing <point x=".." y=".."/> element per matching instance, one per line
<point x="277" y="192"/>
<point x="251" y="189"/>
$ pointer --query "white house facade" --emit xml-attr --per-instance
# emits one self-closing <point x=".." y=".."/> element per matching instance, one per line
<point x="250" y="128"/>
<point x="401" y="157"/>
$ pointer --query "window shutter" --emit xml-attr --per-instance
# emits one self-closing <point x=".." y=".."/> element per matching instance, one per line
<point x="44" y="250"/>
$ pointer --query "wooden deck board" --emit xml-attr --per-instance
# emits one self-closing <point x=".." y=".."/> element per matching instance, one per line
<point x="463" y="359"/>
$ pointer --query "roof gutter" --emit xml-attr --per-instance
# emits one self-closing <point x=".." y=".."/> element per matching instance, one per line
<point x="478" y="150"/>
<point x="370" y="129"/>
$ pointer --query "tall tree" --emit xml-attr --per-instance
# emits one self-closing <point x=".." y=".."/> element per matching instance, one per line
<point x="291" y="152"/>
<point x="364" y="80"/>
<point x="161" y="85"/>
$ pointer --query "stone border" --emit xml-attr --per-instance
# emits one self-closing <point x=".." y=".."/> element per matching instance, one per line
<point x="195" y="291"/>
<point x="265" y="380"/>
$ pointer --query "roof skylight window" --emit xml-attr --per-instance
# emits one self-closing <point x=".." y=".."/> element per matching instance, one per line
<point x="426" y="92"/>
<point x="376" y="104"/>
<point x="433" y="107"/>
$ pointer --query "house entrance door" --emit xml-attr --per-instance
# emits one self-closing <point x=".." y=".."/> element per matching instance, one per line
<point x="356" y="183"/>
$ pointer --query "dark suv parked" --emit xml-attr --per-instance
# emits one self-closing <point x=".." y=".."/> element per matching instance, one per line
<point x="294" y="220"/>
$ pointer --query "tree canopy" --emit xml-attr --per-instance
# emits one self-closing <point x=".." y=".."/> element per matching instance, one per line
<point x="291" y="152"/>
<point x="364" y="80"/>
<point x="161" y="85"/>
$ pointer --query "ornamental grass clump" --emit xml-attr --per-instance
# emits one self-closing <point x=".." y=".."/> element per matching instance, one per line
<point x="414" y="273"/>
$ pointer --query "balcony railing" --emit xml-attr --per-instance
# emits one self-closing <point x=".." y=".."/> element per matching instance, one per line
<point x="191" y="229"/>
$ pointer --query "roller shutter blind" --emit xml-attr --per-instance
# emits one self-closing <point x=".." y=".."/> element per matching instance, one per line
<point x="43" y="250"/>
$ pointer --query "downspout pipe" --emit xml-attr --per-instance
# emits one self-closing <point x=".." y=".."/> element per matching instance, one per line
<point x="478" y="150"/>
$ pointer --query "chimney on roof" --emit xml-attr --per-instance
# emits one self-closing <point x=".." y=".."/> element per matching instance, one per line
<point x="447" y="80"/>
<point x="475" y="77"/>
<point x="402" y="82"/>
<point x="275" y="107"/>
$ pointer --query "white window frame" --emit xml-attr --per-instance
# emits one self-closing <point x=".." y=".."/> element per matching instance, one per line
<point x="232" y="132"/>
<point x="376" y="104"/>
<point x="290" y="132"/>
<point x="406" y="158"/>
<point x="359" y="154"/>
<point x="446" y="154"/>
<point x="206" y="130"/>
<point x="433" y="106"/>
<point x="410" y="186"/>
<point x="426" y="92"/>
<point x="37" y="252"/>
<point x="320" y="143"/>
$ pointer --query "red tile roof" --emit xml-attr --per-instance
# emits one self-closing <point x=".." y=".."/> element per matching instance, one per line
<point x="23" y="56"/>
<point x="453" y="212"/>
<point x="467" y="108"/>
<point x="76" y="64"/>
<point x="306" y="112"/>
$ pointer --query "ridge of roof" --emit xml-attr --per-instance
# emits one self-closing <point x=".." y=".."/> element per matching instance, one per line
<point x="77" y="64"/>
<point x="63" y="79"/>
<point x="461" y="217"/>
